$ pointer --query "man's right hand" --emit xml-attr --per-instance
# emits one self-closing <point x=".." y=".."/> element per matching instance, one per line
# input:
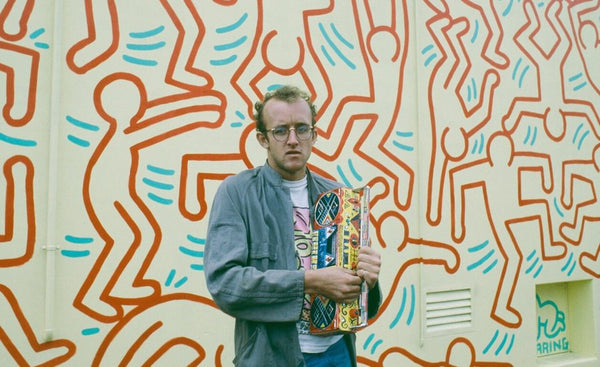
<point x="333" y="282"/>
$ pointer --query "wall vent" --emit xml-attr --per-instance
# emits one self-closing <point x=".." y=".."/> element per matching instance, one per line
<point x="448" y="310"/>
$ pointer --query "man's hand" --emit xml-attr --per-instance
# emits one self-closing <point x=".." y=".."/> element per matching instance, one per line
<point x="333" y="282"/>
<point x="369" y="264"/>
<point x="343" y="285"/>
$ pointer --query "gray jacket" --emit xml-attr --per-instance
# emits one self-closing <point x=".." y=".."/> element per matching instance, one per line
<point x="251" y="269"/>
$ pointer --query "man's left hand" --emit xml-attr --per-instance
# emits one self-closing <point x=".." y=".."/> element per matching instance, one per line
<point x="369" y="263"/>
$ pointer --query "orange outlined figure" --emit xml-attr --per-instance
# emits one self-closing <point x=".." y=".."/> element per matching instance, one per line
<point x="124" y="222"/>
<point x="499" y="178"/>
<point x="585" y="26"/>
<point x="452" y="122"/>
<point x="384" y="49"/>
<point x="398" y="247"/>
<point x="146" y="334"/>
<point x="16" y="247"/>
<point x="276" y="27"/>
<point x="19" y="63"/>
<point x="550" y="105"/>
<point x="491" y="51"/>
<point x="13" y="19"/>
<point x="460" y="352"/>
<point x="20" y="341"/>
<point x="103" y="36"/>
<point x="587" y="171"/>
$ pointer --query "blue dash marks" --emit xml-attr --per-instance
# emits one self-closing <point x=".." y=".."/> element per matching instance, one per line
<point x="141" y="43"/>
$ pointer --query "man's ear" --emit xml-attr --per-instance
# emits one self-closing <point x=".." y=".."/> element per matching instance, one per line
<point x="262" y="140"/>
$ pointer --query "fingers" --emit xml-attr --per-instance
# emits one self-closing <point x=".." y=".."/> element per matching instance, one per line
<point x="369" y="260"/>
<point x="344" y="285"/>
<point x="370" y="278"/>
<point x="369" y="264"/>
<point x="352" y="278"/>
<point x="368" y="253"/>
<point x="339" y="284"/>
<point x="362" y="273"/>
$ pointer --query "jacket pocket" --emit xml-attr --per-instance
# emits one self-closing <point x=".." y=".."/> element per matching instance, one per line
<point x="254" y="352"/>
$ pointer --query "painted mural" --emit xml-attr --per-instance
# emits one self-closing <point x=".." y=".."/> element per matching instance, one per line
<point x="475" y="123"/>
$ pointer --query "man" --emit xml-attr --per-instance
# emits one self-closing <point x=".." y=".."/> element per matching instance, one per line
<point x="259" y="240"/>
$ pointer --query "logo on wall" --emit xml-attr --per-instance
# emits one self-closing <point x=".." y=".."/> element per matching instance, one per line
<point x="552" y="326"/>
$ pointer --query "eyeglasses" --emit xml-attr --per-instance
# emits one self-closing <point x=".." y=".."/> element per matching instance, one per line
<point x="281" y="133"/>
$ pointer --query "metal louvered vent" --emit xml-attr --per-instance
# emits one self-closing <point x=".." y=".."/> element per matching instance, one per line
<point x="448" y="310"/>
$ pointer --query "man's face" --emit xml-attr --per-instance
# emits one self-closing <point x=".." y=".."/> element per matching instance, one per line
<point x="288" y="157"/>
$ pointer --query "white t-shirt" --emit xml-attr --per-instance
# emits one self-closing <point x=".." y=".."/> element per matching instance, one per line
<point x="303" y="237"/>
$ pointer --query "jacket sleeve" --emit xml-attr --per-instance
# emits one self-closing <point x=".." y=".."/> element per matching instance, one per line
<point x="373" y="301"/>
<point x="239" y="289"/>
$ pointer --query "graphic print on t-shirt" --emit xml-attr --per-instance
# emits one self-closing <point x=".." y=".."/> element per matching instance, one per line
<point x="303" y="242"/>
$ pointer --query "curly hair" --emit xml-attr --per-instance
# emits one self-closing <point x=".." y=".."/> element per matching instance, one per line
<point x="286" y="93"/>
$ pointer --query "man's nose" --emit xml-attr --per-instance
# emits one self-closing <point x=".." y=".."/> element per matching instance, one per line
<point x="293" y="138"/>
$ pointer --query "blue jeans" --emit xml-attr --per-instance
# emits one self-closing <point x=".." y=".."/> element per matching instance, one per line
<point x="336" y="356"/>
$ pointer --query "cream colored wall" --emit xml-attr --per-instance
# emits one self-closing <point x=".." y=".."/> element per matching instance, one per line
<point x="475" y="123"/>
